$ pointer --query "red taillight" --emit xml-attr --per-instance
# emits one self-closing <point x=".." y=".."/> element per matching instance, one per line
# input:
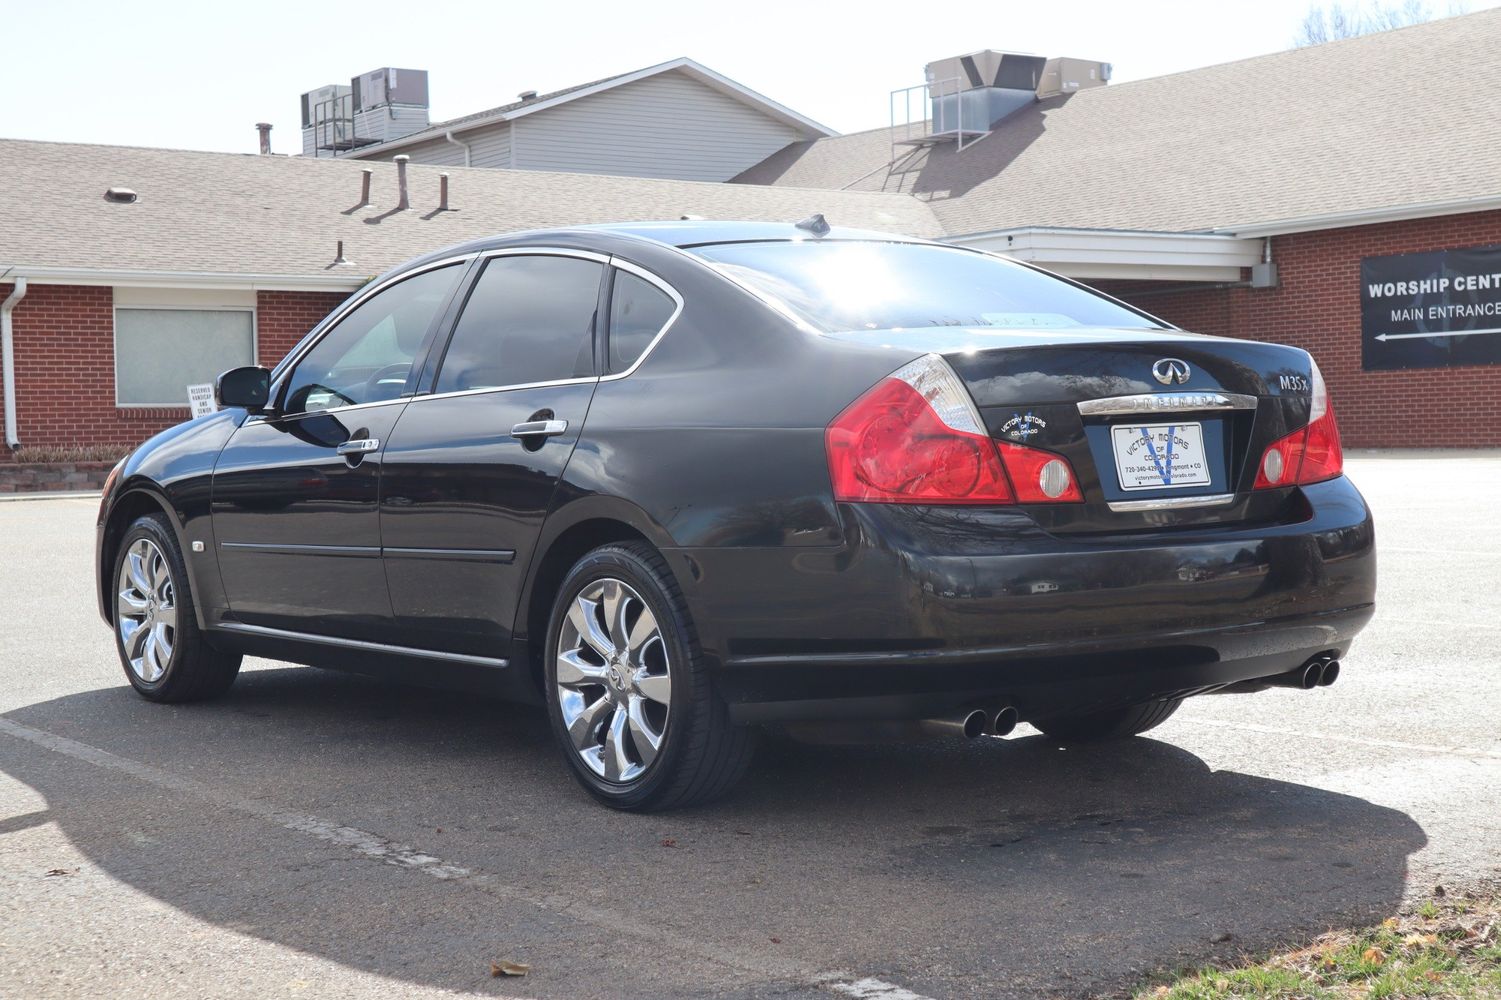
<point x="1039" y="476"/>
<point x="1309" y="455"/>
<point x="916" y="438"/>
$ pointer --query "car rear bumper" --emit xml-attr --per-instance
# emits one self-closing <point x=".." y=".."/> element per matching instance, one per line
<point x="925" y="610"/>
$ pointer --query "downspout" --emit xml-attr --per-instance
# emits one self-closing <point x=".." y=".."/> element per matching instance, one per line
<point x="460" y="143"/>
<point x="8" y="362"/>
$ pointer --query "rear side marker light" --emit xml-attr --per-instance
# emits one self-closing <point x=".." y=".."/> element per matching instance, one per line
<point x="916" y="437"/>
<point x="1308" y="455"/>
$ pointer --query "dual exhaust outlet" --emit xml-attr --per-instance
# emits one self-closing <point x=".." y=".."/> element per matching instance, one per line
<point x="974" y="722"/>
<point x="971" y="723"/>
<point x="1318" y="672"/>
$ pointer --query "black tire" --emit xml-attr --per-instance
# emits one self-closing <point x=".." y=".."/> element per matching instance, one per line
<point x="701" y="755"/>
<point x="193" y="670"/>
<point x="1112" y="725"/>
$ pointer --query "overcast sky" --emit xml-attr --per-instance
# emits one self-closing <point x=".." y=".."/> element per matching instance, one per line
<point x="199" y="75"/>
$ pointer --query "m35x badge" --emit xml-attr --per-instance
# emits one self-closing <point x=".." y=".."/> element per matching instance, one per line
<point x="1170" y="371"/>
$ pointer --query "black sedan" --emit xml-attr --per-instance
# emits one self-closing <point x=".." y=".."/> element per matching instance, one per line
<point x="682" y="481"/>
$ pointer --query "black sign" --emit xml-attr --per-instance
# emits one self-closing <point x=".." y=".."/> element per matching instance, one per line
<point x="1431" y="310"/>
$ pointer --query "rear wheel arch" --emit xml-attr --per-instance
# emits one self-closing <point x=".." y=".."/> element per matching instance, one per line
<point x="551" y="566"/>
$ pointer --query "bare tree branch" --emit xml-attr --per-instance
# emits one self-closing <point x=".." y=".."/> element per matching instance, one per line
<point x="1338" y="20"/>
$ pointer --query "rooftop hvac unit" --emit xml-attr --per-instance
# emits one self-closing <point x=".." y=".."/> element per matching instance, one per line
<point x="969" y="93"/>
<point x="326" y="97"/>
<point x="381" y="87"/>
<point x="1064" y="76"/>
<point x="989" y="68"/>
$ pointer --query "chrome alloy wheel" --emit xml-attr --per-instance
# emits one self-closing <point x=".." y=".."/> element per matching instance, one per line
<point x="614" y="680"/>
<point x="146" y="610"/>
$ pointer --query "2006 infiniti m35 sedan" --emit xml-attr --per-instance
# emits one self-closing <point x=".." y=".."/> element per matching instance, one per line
<point x="678" y="481"/>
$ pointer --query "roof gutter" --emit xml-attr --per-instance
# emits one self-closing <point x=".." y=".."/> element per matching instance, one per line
<point x="1364" y="217"/>
<point x="8" y="361"/>
<point x="343" y="281"/>
<point x="448" y="134"/>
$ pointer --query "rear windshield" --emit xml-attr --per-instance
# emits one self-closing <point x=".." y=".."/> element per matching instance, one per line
<point x="844" y="286"/>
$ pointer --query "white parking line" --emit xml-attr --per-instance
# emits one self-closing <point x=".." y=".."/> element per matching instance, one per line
<point x="875" y="989"/>
<point x="1393" y="550"/>
<point x="377" y="848"/>
<point x="1252" y="727"/>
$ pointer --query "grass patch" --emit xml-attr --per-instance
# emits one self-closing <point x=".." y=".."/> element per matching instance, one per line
<point x="1446" y="948"/>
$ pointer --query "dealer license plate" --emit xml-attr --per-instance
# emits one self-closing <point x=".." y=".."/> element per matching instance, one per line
<point x="1160" y="456"/>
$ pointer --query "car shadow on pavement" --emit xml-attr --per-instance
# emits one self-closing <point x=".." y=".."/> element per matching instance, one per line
<point x="984" y="868"/>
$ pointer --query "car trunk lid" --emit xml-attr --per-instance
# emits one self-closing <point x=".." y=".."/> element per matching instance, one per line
<point x="1163" y="429"/>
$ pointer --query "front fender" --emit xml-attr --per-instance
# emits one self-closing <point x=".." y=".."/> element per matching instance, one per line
<point x="172" y="473"/>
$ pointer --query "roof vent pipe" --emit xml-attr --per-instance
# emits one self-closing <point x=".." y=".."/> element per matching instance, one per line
<point x="365" y="188"/>
<point x="8" y="362"/>
<point x="264" y="128"/>
<point x="403" y="201"/>
<point x="443" y="192"/>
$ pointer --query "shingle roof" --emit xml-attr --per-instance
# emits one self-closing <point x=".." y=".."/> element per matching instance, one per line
<point x="1398" y="118"/>
<point x="233" y="214"/>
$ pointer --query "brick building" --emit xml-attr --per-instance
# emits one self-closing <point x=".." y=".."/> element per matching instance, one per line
<point x="1345" y="198"/>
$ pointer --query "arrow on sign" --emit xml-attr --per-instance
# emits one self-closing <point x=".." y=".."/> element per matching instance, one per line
<point x="1451" y="333"/>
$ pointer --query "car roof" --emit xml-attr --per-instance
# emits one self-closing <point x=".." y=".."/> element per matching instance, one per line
<point x="681" y="234"/>
<point x="699" y="232"/>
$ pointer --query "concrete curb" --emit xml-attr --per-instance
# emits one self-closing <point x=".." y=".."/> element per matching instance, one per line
<point x="45" y="495"/>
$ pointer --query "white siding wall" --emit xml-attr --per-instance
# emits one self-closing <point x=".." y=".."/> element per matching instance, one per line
<point x="489" y="147"/>
<point x="667" y="125"/>
<point x="436" y="152"/>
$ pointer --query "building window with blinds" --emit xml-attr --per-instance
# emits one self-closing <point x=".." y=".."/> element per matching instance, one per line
<point x="160" y="352"/>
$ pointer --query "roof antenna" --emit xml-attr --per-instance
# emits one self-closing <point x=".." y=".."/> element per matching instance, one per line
<point x="815" y="224"/>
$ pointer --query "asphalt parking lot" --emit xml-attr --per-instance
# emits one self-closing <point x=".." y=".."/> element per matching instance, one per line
<point x="321" y="835"/>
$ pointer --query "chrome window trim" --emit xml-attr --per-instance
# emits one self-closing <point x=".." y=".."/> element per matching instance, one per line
<point x="1165" y="402"/>
<point x="589" y="255"/>
<point x="1172" y="503"/>
<point x="661" y="285"/>
<point x="608" y="261"/>
<point x="581" y="380"/>
<point x="545" y="251"/>
<point x="260" y="417"/>
<point x="377" y="647"/>
<point x="291" y="361"/>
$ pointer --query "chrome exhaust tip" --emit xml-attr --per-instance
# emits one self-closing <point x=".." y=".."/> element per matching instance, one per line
<point x="1004" y="721"/>
<point x="1304" y="678"/>
<point x="970" y="724"/>
<point x="1329" y="673"/>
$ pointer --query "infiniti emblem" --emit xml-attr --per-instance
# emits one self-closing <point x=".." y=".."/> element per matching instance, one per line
<point x="1170" y="371"/>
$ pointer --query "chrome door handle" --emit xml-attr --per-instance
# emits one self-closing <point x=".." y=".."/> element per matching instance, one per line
<point x="539" y="428"/>
<point x="359" y="446"/>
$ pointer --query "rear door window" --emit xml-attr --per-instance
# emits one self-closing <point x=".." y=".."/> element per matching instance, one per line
<point x="638" y="312"/>
<point x="528" y="319"/>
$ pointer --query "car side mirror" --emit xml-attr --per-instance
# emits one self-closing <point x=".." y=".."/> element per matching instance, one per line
<point x="249" y="387"/>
